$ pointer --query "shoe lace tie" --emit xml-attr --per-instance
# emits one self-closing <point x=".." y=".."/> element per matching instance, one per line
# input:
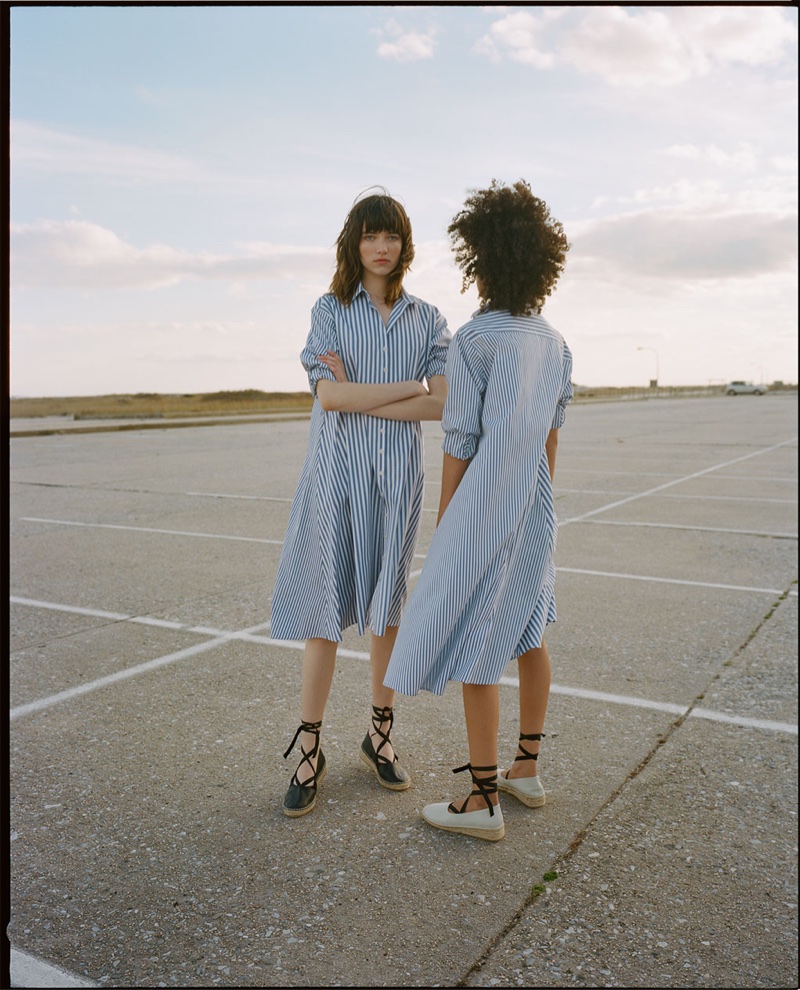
<point x="307" y="757"/>
<point x="532" y="737"/>
<point x="379" y="716"/>
<point x="482" y="786"/>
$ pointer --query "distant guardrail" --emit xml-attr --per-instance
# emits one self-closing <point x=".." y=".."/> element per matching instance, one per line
<point x="586" y="393"/>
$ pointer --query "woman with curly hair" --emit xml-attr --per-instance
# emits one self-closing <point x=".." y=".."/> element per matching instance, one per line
<point x="371" y="350"/>
<point x="486" y="592"/>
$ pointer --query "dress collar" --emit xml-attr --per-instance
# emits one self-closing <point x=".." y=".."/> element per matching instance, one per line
<point x="404" y="296"/>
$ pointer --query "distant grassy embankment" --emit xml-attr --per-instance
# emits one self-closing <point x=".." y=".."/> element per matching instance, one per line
<point x="153" y="405"/>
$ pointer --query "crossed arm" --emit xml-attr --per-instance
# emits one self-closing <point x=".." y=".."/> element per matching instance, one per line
<point x="408" y="400"/>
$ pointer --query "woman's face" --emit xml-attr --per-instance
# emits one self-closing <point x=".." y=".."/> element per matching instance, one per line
<point x="379" y="251"/>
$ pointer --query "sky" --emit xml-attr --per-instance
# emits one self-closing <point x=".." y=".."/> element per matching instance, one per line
<point x="180" y="174"/>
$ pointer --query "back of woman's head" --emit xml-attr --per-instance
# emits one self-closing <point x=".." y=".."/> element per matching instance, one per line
<point x="371" y="214"/>
<point x="505" y="240"/>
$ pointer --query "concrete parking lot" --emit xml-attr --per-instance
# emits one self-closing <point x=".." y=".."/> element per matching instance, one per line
<point x="149" y="711"/>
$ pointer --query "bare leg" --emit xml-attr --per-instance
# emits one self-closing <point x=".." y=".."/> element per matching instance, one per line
<point x="482" y="712"/>
<point x="319" y="661"/>
<point x="380" y="652"/>
<point x="534" y="694"/>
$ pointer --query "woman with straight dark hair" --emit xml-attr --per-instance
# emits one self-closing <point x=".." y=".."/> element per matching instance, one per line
<point x="375" y="359"/>
<point x="485" y="593"/>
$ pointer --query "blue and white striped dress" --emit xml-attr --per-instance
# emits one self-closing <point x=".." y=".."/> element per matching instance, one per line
<point x="355" y="515"/>
<point x="486" y="592"/>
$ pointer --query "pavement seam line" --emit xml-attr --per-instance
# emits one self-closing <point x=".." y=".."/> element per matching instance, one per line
<point x="584" y="832"/>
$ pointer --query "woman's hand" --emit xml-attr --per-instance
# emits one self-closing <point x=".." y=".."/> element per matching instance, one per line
<point x="334" y="363"/>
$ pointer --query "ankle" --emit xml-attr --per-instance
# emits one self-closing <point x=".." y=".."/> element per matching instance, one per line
<point x="309" y="741"/>
<point x="528" y="748"/>
<point x="381" y="715"/>
<point x="520" y="769"/>
<point x="381" y="726"/>
<point x="484" y="789"/>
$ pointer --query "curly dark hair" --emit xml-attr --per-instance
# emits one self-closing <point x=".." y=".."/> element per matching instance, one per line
<point x="506" y="241"/>
<point x="372" y="214"/>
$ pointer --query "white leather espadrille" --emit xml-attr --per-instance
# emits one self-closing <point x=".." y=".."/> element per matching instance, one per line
<point x="479" y="824"/>
<point x="529" y="790"/>
<point x="484" y="824"/>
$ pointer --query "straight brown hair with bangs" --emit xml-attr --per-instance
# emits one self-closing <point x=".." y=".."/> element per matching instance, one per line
<point x="372" y="215"/>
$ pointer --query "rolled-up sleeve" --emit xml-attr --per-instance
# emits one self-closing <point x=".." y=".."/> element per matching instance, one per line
<point x="566" y="391"/>
<point x="321" y="338"/>
<point x="461" y="420"/>
<point x="438" y="345"/>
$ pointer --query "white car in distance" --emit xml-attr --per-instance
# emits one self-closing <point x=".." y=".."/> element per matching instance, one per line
<point x="744" y="388"/>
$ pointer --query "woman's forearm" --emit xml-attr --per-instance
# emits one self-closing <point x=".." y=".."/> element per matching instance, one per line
<point x="419" y="408"/>
<point x="551" y="446"/>
<point x="361" y="397"/>
<point x="453" y="470"/>
<point x="429" y="405"/>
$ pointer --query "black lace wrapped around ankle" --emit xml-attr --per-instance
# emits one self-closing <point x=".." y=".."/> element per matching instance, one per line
<point x="482" y="786"/>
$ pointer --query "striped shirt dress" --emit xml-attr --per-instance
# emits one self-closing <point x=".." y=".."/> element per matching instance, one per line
<point x="486" y="591"/>
<point x="355" y="515"/>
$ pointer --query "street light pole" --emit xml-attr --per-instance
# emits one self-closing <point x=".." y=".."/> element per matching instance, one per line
<point x="654" y="382"/>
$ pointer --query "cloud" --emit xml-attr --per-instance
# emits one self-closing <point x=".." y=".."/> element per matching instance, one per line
<point x="744" y="160"/>
<point x="629" y="47"/>
<point x="687" y="242"/>
<point x="784" y="163"/>
<point x="79" y="255"/>
<point x="683" y="245"/>
<point x="765" y="192"/>
<point x="516" y="37"/>
<point x="640" y="47"/>
<point x="408" y="46"/>
<point x="41" y="149"/>
<point x="727" y="34"/>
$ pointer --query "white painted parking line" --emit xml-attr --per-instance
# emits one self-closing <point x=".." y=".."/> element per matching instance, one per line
<point x="695" y="529"/>
<point x="564" y="469"/>
<point x="262" y="498"/>
<point x="255" y="498"/>
<point x="676" y="495"/>
<point x="220" y="637"/>
<point x="36" y="706"/>
<point x="586" y="516"/>
<point x="147" y="529"/>
<point x="145" y="620"/>
<point x="418" y="556"/>
<point x="662" y="706"/>
<point x="677" y="481"/>
<point x="665" y="580"/>
<point x="28" y="971"/>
